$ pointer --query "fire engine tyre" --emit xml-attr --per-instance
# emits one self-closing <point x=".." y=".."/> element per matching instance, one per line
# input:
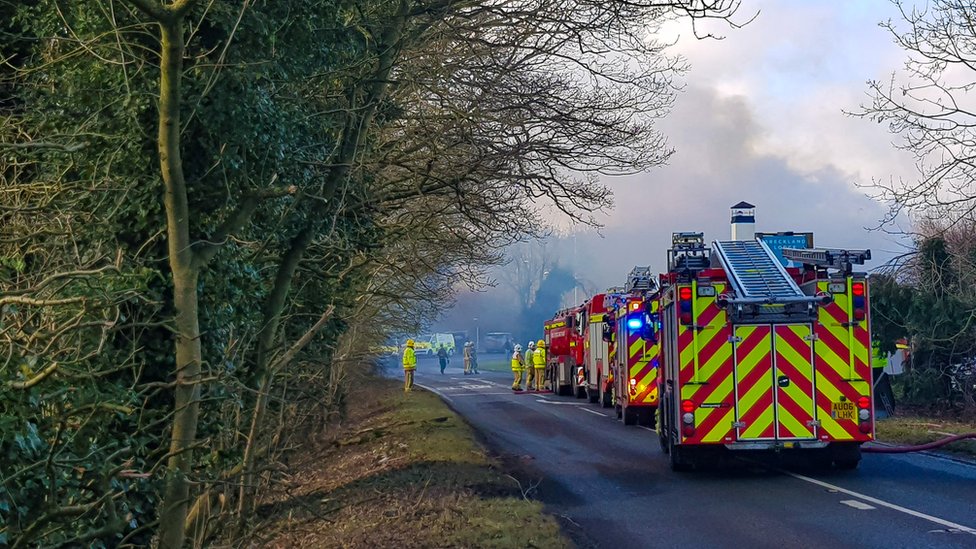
<point x="592" y="396"/>
<point x="607" y="400"/>
<point x="678" y="457"/>
<point x="846" y="457"/>
<point x="646" y="417"/>
<point x="661" y="434"/>
<point x="620" y="411"/>
<point x="580" y="392"/>
<point x="630" y="416"/>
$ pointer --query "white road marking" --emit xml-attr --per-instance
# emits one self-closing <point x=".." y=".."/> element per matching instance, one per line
<point x="480" y="394"/>
<point x="881" y="503"/>
<point x="593" y="412"/>
<point x="560" y="403"/>
<point x="435" y="391"/>
<point x="647" y="428"/>
<point x="857" y="504"/>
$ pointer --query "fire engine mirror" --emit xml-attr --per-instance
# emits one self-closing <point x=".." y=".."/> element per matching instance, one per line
<point x="706" y="291"/>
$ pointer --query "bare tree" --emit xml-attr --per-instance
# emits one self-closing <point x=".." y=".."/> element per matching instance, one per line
<point x="932" y="108"/>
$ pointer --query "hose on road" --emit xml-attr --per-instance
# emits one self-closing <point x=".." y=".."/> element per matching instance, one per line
<point x="917" y="448"/>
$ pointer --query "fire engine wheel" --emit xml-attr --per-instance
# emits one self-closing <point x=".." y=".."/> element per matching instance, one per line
<point x="846" y="457"/>
<point x="630" y="416"/>
<point x="592" y="396"/>
<point x="661" y="434"/>
<point x="646" y="417"/>
<point x="620" y="411"/>
<point x="678" y="457"/>
<point x="580" y="392"/>
<point x="607" y="399"/>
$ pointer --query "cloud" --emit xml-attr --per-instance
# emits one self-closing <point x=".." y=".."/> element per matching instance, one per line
<point x="719" y="161"/>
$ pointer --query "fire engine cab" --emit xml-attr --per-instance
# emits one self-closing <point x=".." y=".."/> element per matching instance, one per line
<point x="759" y="356"/>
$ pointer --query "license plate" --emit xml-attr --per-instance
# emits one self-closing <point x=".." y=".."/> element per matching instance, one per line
<point x="842" y="410"/>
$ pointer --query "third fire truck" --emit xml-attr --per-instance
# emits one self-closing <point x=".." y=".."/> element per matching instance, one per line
<point x="757" y="356"/>
<point x="564" y="350"/>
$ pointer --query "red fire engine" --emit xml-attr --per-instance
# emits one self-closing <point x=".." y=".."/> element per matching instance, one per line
<point x="636" y="355"/>
<point x="564" y="350"/>
<point x="757" y="356"/>
<point x="596" y="349"/>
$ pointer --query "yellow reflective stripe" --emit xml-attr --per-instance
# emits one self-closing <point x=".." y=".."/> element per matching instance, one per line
<point x="596" y="318"/>
<point x="722" y="427"/>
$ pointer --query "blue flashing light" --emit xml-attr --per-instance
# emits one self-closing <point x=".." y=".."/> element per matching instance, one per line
<point x="634" y="323"/>
<point x="858" y="302"/>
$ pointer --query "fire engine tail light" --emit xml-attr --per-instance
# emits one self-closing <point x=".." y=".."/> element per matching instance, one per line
<point x="864" y="414"/>
<point x="684" y="305"/>
<point x="857" y="290"/>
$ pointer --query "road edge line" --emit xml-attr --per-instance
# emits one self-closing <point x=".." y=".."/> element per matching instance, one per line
<point x="436" y="392"/>
<point x="882" y="503"/>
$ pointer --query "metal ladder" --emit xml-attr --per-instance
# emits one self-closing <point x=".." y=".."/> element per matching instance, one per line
<point x="640" y="279"/>
<point x="754" y="271"/>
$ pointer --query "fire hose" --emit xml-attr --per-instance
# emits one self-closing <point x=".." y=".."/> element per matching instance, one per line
<point x="916" y="448"/>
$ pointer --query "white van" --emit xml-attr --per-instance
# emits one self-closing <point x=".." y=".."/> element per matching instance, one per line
<point x="437" y="340"/>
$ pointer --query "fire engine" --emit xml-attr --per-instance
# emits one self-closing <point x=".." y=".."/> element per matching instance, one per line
<point x="564" y="350"/>
<point x="594" y="372"/>
<point x="636" y="355"/>
<point x="758" y="356"/>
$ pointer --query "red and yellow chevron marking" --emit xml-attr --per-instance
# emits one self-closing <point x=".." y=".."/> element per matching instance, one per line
<point x="705" y="359"/>
<point x="843" y="371"/>
<point x="643" y="360"/>
<point x="754" y="380"/>
<point x="794" y="403"/>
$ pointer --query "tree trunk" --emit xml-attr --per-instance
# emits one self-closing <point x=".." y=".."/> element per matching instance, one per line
<point x="173" y="511"/>
<point x="274" y="306"/>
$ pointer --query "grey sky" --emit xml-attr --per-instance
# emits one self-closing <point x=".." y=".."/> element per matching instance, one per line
<point x="761" y="119"/>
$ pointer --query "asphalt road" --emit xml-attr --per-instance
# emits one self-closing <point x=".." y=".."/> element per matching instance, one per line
<point x="612" y="486"/>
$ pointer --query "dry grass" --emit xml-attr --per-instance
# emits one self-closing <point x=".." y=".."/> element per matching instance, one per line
<point x="917" y="429"/>
<point x="404" y="472"/>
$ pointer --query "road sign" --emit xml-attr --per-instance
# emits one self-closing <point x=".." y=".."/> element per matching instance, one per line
<point x="778" y="241"/>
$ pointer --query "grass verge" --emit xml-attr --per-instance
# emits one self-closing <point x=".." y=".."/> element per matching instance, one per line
<point x="403" y="471"/>
<point x="913" y="429"/>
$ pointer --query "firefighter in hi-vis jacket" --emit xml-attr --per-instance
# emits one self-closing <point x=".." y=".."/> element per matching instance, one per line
<point x="517" y="368"/>
<point x="539" y="364"/>
<point x="409" y="366"/>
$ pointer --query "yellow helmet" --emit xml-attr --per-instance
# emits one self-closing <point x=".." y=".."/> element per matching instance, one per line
<point x="409" y="343"/>
<point x="541" y="343"/>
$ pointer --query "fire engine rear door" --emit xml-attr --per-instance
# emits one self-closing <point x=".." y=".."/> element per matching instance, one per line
<point x="793" y="362"/>
<point x="754" y="395"/>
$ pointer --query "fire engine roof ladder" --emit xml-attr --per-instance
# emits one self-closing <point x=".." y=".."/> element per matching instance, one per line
<point x="842" y="260"/>
<point x="756" y="274"/>
<point x="640" y="280"/>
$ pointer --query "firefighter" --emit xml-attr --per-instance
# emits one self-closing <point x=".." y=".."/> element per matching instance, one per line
<point x="467" y="358"/>
<point x="539" y="364"/>
<point x="518" y="366"/>
<point x="409" y="366"/>
<point x="442" y="357"/>
<point x="474" y="359"/>
<point x="527" y="362"/>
